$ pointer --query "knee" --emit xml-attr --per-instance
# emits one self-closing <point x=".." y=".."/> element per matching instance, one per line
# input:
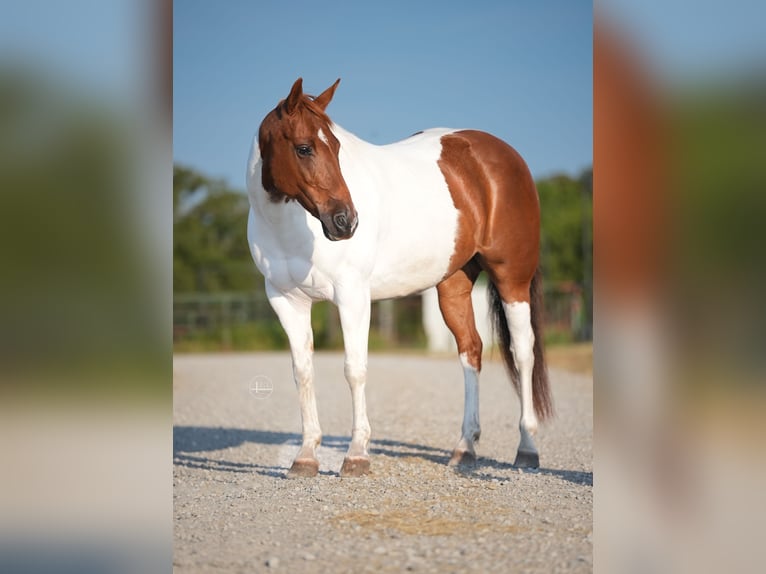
<point x="356" y="373"/>
<point x="302" y="371"/>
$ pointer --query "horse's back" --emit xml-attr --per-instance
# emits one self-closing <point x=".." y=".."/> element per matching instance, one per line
<point x="448" y="195"/>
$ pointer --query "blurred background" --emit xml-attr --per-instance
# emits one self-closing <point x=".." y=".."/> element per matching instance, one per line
<point x="679" y="201"/>
<point x="86" y="286"/>
<point x="92" y="277"/>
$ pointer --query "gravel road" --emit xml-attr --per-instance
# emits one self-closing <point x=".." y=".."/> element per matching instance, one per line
<point x="234" y="440"/>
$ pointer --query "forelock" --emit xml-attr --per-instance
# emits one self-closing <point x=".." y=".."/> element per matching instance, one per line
<point x="307" y="108"/>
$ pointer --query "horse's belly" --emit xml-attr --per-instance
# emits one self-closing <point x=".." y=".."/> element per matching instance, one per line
<point x="416" y="253"/>
<point x="420" y="274"/>
<point x="419" y="225"/>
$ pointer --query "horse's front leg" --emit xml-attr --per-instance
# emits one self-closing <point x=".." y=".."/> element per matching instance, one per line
<point x="354" y="309"/>
<point x="294" y="312"/>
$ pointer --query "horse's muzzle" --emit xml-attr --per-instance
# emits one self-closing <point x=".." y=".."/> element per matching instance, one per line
<point x="339" y="225"/>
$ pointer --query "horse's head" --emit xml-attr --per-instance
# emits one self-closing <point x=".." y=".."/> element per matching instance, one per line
<point x="300" y="160"/>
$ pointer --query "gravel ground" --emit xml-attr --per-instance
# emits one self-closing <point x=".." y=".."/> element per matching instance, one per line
<point x="234" y="440"/>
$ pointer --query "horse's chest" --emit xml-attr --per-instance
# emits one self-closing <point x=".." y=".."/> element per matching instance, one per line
<point x="308" y="278"/>
<point x="288" y="272"/>
<point x="286" y="260"/>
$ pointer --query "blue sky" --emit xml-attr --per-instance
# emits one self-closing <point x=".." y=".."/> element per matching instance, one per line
<point x="693" y="41"/>
<point x="521" y="70"/>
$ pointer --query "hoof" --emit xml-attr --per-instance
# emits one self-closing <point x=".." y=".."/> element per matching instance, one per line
<point x="304" y="468"/>
<point x="527" y="459"/>
<point x="355" y="466"/>
<point x="462" y="458"/>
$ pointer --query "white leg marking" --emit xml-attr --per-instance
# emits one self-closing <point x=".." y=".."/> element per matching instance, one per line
<point x="354" y="309"/>
<point x="294" y="313"/>
<point x="523" y="340"/>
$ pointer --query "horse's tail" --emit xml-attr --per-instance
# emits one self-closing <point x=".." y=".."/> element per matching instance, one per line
<point x="541" y="392"/>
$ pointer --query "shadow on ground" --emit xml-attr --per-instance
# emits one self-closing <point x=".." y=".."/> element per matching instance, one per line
<point x="189" y="440"/>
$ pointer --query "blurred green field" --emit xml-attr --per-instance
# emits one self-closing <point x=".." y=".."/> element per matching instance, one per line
<point x="573" y="357"/>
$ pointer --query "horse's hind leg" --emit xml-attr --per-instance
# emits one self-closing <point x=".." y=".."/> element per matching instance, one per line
<point x="457" y="310"/>
<point x="516" y="303"/>
<point x="523" y="339"/>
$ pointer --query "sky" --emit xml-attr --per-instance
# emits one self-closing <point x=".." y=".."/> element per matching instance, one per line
<point x="93" y="47"/>
<point x="518" y="69"/>
<point x="687" y="41"/>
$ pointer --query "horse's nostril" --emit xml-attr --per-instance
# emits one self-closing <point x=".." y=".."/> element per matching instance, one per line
<point x="340" y="220"/>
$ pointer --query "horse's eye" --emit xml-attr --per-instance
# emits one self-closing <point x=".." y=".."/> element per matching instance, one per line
<point x="303" y="150"/>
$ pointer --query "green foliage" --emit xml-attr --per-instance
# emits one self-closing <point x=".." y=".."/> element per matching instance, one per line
<point x="211" y="256"/>
<point x="78" y="296"/>
<point x="718" y="181"/>
<point x="715" y="216"/>
<point x="250" y="336"/>
<point x="210" y="250"/>
<point x="566" y="207"/>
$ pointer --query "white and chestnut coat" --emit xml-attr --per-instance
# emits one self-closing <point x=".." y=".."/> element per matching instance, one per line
<point x="336" y="218"/>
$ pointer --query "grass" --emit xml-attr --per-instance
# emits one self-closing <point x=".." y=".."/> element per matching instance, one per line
<point x="574" y="357"/>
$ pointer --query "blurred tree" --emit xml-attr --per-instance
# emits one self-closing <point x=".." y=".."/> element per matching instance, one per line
<point x="79" y="303"/>
<point x="210" y="250"/>
<point x="566" y="206"/>
<point x="586" y="185"/>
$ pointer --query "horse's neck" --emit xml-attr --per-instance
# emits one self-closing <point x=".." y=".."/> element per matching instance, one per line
<point x="280" y="214"/>
<point x="352" y="145"/>
<point x="345" y="136"/>
<point x="359" y="162"/>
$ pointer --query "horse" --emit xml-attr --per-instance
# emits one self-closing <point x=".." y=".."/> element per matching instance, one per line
<point x="333" y="217"/>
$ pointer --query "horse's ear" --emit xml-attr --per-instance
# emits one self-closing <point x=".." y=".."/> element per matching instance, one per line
<point x="323" y="99"/>
<point x="296" y="92"/>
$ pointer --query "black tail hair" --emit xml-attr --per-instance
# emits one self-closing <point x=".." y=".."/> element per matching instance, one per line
<point x="541" y="391"/>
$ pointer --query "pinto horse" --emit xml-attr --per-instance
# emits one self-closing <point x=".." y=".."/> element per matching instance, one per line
<point x="336" y="218"/>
